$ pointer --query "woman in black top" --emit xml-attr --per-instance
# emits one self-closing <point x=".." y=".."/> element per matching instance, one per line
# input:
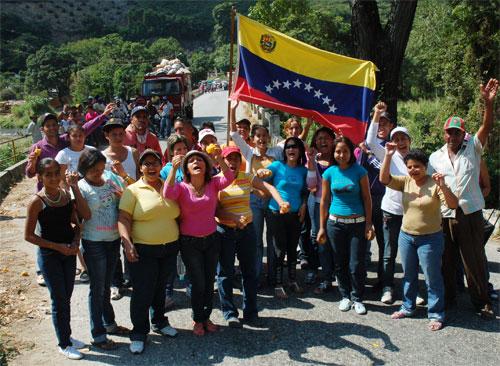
<point x="58" y="240"/>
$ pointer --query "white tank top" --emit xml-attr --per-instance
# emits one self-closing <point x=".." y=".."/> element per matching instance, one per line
<point x="128" y="164"/>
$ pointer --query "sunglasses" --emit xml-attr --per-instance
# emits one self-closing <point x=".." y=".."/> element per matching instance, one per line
<point x="291" y="147"/>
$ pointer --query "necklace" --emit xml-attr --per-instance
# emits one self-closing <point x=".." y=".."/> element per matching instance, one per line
<point x="198" y="192"/>
<point x="56" y="201"/>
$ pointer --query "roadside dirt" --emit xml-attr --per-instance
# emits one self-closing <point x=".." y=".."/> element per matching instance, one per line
<point x="20" y="296"/>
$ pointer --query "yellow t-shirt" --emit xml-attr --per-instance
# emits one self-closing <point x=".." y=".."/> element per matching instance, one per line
<point x="235" y="198"/>
<point x="421" y="205"/>
<point x="153" y="217"/>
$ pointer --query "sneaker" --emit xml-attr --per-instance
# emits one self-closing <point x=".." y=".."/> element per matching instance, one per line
<point x="169" y="302"/>
<point x="234" y="322"/>
<point x="324" y="286"/>
<point x="77" y="344"/>
<point x="84" y="277"/>
<point x="345" y="304"/>
<point x="198" y="329"/>
<point x="136" y="347"/>
<point x="71" y="352"/>
<point x="310" y="278"/>
<point x="387" y="297"/>
<point x="40" y="280"/>
<point x="210" y="327"/>
<point x="168" y="331"/>
<point x="420" y="301"/>
<point x="280" y="293"/>
<point x="115" y="293"/>
<point x="359" y="308"/>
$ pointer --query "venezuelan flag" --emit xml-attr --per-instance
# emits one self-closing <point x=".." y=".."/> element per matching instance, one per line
<point x="282" y="73"/>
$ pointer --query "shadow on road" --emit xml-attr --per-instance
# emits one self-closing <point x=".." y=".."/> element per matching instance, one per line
<point x="273" y="336"/>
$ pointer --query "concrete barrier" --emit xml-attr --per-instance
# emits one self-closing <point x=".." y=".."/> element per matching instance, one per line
<point x="11" y="175"/>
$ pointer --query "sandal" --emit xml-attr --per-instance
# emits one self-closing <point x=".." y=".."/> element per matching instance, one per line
<point x="399" y="315"/>
<point x="107" y="345"/>
<point x="435" y="325"/>
<point x="280" y="293"/>
<point x="119" y="331"/>
<point x="294" y="287"/>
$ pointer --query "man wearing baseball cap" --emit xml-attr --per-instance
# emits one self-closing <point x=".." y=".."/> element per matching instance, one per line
<point x="137" y="134"/>
<point x="459" y="161"/>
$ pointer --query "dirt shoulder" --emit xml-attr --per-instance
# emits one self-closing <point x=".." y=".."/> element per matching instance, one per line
<point x="21" y="299"/>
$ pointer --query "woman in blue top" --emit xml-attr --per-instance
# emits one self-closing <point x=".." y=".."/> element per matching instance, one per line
<point x="176" y="145"/>
<point x="346" y="203"/>
<point x="289" y="178"/>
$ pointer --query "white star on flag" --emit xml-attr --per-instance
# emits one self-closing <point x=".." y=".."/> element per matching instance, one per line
<point x="318" y="93"/>
<point x="297" y="83"/>
<point x="326" y="100"/>
<point x="308" y="87"/>
<point x="332" y="108"/>
<point x="269" y="88"/>
<point x="276" y="84"/>
<point x="287" y="84"/>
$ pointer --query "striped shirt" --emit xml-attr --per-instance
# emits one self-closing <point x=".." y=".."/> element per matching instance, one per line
<point x="462" y="176"/>
<point x="235" y="198"/>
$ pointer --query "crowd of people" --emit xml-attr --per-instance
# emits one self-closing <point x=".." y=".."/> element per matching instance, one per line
<point x="322" y="205"/>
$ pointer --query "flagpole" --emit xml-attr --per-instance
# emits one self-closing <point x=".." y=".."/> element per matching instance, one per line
<point x="230" y="83"/>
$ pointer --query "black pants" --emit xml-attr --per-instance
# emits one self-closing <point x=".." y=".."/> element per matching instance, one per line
<point x="149" y="276"/>
<point x="200" y="255"/>
<point x="285" y="231"/>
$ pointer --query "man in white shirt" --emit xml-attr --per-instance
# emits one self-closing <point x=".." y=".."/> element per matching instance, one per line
<point x="459" y="161"/>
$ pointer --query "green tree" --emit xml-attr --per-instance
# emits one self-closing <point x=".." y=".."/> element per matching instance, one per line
<point x="96" y="79"/>
<point x="199" y="64"/>
<point x="49" y="69"/>
<point x="165" y="48"/>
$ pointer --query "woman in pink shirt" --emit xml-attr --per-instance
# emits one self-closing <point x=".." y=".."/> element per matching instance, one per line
<point x="200" y="242"/>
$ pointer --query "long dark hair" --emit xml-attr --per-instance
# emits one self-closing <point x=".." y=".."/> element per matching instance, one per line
<point x="302" y="150"/>
<point x="350" y="145"/>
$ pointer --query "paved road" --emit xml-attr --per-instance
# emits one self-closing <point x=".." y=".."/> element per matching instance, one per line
<point x="306" y="329"/>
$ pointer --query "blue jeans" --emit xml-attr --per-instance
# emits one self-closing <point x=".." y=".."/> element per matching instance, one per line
<point x="165" y="127"/>
<point x="101" y="258"/>
<point x="349" y="249"/>
<point x="392" y="227"/>
<point x="259" y="213"/>
<point x="241" y="243"/>
<point x="324" y="252"/>
<point x="149" y="277"/>
<point x="200" y="255"/>
<point x="378" y="224"/>
<point x="428" y="250"/>
<point x="59" y="273"/>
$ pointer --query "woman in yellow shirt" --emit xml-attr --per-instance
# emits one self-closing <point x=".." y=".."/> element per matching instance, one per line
<point x="150" y="236"/>
<point x="421" y="237"/>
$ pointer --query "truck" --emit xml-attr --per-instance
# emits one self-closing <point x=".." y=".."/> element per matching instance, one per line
<point x="171" y="80"/>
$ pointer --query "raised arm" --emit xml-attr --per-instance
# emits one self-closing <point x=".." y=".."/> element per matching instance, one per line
<point x="488" y="94"/>
<point x="305" y="131"/>
<point x="371" y="136"/>
<point x="82" y="208"/>
<point x="385" y="169"/>
<point x="450" y="199"/>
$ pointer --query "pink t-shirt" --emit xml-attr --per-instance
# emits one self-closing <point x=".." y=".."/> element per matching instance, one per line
<point x="197" y="216"/>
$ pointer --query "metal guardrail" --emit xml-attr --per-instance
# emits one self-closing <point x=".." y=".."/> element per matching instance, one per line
<point x="16" y="151"/>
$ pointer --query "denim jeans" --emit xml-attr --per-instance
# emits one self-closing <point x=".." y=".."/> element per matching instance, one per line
<point x="165" y="127"/>
<point x="259" y="213"/>
<point x="392" y="227"/>
<point x="378" y="225"/>
<point x="285" y="230"/>
<point x="428" y="250"/>
<point x="59" y="273"/>
<point x="323" y="252"/>
<point x="101" y="258"/>
<point x="200" y="255"/>
<point x="241" y="243"/>
<point x="349" y="249"/>
<point x="149" y="277"/>
<point x="307" y="251"/>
